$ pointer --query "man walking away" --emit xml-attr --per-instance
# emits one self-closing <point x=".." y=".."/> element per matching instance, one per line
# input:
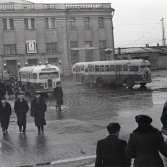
<point x="5" y="113"/>
<point x="21" y="108"/>
<point x="110" y="152"/>
<point x="38" y="109"/>
<point x="58" y="93"/>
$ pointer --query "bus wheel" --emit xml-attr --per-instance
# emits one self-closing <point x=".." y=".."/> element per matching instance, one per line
<point x="83" y="80"/>
<point x="143" y="84"/>
<point x="99" y="82"/>
<point x="129" y="83"/>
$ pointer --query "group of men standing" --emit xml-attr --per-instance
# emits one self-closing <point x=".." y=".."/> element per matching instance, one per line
<point x="38" y="109"/>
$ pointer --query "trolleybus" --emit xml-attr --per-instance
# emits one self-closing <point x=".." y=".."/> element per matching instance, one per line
<point x="40" y="78"/>
<point x="128" y="72"/>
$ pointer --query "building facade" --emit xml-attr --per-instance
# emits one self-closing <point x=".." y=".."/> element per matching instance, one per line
<point x="60" y="34"/>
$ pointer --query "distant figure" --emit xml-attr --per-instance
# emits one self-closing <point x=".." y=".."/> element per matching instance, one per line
<point x="9" y="89"/>
<point x="38" y="109"/>
<point x="110" y="151"/>
<point x="5" y="113"/>
<point x="164" y="119"/>
<point x="58" y="93"/>
<point x="2" y="89"/>
<point x="16" y="90"/>
<point x="21" y="108"/>
<point x="145" y="143"/>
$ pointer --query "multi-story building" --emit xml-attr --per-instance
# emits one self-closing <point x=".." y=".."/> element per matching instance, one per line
<point x="61" y="34"/>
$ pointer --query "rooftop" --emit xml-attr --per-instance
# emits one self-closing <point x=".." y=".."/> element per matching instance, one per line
<point x="150" y="49"/>
<point x="15" y="2"/>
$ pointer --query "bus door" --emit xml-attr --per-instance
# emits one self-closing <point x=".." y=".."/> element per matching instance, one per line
<point x="118" y="70"/>
<point x="90" y="73"/>
<point x="77" y="70"/>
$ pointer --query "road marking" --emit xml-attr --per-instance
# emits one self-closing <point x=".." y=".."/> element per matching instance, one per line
<point x="73" y="159"/>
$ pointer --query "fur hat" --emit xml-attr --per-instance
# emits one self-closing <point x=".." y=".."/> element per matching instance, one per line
<point x="113" y="127"/>
<point x="143" y="119"/>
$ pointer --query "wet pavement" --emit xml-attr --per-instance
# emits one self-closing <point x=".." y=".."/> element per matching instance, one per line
<point x="71" y="141"/>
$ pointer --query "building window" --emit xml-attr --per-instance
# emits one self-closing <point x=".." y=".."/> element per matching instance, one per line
<point x="32" y="62"/>
<point x="102" y="47"/>
<point x="53" y="23"/>
<point x="11" y="23"/>
<point x="74" y="53"/>
<point x="10" y="49"/>
<point x="100" y="22"/>
<point x="89" y="52"/>
<point x="86" y="22"/>
<point x="46" y="23"/>
<point x="72" y="23"/>
<point x="32" y="23"/>
<point x="26" y="24"/>
<point x="51" y="47"/>
<point x="4" y="24"/>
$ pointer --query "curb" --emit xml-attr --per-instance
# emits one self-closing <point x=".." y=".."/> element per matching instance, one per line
<point x="61" y="161"/>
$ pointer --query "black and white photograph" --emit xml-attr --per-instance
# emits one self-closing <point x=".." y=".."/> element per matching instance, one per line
<point x="83" y="83"/>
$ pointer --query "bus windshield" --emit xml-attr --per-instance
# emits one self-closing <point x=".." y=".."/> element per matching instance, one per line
<point x="50" y="75"/>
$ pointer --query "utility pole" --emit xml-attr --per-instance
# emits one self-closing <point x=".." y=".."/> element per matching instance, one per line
<point x="163" y="32"/>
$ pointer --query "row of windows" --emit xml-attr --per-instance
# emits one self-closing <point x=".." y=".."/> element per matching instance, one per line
<point x="88" y="53"/>
<point x="50" y="23"/>
<point x="29" y="75"/>
<point x="109" y="68"/>
<point x="11" y="49"/>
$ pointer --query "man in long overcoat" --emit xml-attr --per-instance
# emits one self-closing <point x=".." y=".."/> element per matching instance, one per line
<point x="110" y="152"/>
<point x="5" y="113"/>
<point x="145" y="143"/>
<point x="58" y="93"/>
<point x="38" y="109"/>
<point x="21" y="108"/>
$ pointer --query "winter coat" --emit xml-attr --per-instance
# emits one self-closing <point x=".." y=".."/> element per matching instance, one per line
<point x="5" y="113"/>
<point x="58" y="93"/>
<point x="144" y="145"/>
<point x="9" y="89"/>
<point x="164" y="117"/>
<point x="38" y="111"/>
<point x="21" y="109"/>
<point x="111" y="152"/>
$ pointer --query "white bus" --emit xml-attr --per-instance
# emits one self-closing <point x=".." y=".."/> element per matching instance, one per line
<point x="129" y="72"/>
<point x="40" y="78"/>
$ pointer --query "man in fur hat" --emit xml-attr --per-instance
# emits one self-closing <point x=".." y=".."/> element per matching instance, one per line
<point x="145" y="143"/>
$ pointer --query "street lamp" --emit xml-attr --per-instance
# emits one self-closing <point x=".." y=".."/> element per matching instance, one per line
<point x="18" y="64"/>
<point x="108" y="51"/>
<point x="26" y="64"/>
<point x="4" y="65"/>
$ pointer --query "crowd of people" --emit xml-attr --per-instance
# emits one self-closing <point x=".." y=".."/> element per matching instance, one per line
<point x="21" y="107"/>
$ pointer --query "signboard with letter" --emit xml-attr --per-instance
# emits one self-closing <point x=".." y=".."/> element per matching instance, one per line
<point x="31" y="46"/>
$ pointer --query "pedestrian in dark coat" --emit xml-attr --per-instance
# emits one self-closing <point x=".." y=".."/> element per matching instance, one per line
<point x="164" y="119"/>
<point x="2" y="89"/>
<point x="9" y="89"/>
<point x="110" y="152"/>
<point x="21" y="108"/>
<point x="5" y="113"/>
<point x="38" y="109"/>
<point x="58" y="93"/>
<point x="145" y="143"/>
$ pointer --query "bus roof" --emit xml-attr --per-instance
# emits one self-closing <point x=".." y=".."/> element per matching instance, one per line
<point x="39" y="68"/>
<point x="120" y="62"/>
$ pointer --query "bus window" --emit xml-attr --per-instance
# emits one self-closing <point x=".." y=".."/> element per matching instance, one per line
<point x="101" y="68"/>
<point x="107" y="68"/>
<point x="34" y="76"/>
<point x="73" y="69"/>
<point x="133" y="68"/>
<point x="50" y="75"/>
<point x="97" y="69"/>
<point x="82" y="68"/>
<point x="86" y="69"/>
<point x="112" y="68"/>
<point x="125" y="67"/>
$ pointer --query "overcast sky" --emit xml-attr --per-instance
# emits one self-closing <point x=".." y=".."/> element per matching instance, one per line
<point x="136" y="22"/>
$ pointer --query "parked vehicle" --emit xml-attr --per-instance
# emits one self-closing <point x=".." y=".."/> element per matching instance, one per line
<point x="40" y="78"/>
<point x="128" y="72"/>
<point x="5" y="76"/>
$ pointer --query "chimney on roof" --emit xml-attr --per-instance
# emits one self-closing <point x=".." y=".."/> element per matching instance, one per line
<point x="119" y="50"/>
<point x="147" y="45"/>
